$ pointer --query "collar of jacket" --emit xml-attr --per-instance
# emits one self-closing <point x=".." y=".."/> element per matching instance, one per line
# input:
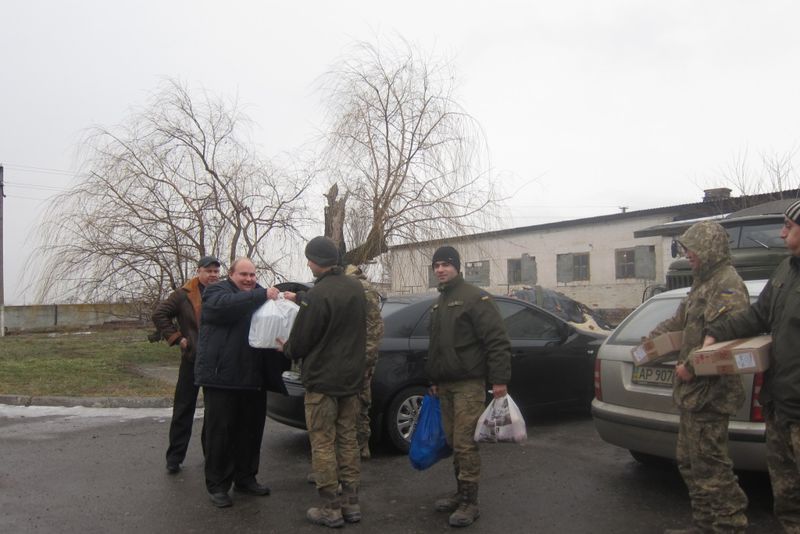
<point x="448" y="286"/>
<point x="335" y="270"/>
<point x="706" y="271"/>
<point x="194" y="292"/>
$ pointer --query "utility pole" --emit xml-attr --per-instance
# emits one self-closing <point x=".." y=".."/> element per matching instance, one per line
<point x="2" y="297"/>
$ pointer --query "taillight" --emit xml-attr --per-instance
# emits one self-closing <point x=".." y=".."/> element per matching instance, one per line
<point x="598" y="391"/>
<point x="756" y="411"/>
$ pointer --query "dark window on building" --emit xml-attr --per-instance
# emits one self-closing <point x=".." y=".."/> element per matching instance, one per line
<point x="432" y="280"/>
<point x="637" y="262"/>
<point x="477" y="272"/>
<point x="572" y="267"/>
<point x="522" y="270"/>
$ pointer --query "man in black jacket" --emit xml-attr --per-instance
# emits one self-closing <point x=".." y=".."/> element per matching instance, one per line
<point x="183" y="307"/>
<point x="232" y="375"/>
<point x="777" y="312"/>
<point x="329" y="335"/>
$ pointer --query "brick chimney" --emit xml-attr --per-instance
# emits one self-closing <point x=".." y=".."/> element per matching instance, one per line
<point x="718" y="193"/>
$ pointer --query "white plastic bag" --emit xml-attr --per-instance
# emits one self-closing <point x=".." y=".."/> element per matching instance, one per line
<point x="501" y="421"/>
<point x="273" y="319"/>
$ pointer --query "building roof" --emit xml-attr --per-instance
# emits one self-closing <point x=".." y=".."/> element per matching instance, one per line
<point x="685" y="214"/>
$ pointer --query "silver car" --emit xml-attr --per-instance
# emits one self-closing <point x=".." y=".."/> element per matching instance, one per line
<point x="633" y="406"/>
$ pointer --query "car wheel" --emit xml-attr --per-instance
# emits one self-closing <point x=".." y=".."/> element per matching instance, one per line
<point x="402" y="414"/>
<point x="649" y="459"/>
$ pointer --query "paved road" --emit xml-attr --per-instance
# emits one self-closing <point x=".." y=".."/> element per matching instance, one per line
<point x="89" y="471"/>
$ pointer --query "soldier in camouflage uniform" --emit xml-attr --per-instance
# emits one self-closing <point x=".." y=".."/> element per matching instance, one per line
<point x="374" y="335"/>
<point x="777" y="311"/>
<point x="330" y="337"/>
<point x="707" y="402"/>
<point x="468" y="346"/>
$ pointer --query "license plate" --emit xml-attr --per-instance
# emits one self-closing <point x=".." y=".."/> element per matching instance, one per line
<point x="653" y="376"/>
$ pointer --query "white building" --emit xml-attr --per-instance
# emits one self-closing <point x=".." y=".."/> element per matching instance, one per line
<point x="595" y="260"/>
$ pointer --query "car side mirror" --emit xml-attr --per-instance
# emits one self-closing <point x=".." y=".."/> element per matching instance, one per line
<point x="675" y="249"/>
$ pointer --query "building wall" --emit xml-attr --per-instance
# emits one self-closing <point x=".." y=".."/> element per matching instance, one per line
<point x="67" y="316"/>
<point x="410" y="266"/>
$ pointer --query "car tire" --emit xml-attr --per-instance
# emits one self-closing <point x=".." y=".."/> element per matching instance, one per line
<point x="649" y="459"/>
<point x="402" y="414"/>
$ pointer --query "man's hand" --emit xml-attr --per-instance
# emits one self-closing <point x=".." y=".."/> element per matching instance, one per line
<point x="289" y="295"/>
<point x="273" y="292"/>
<point x="709" y="340"/>
<point x="499" y="390"/>
<point x="281" y="342"/>
<point x="683" y="373"/>
<point x="184" y="344"/>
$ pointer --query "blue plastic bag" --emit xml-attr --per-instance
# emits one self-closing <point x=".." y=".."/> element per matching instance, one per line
<point x="428" y="444"/>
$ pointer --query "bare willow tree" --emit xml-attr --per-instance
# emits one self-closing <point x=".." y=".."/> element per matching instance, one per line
<point x="175" y="182"/>
<point x="775" y="174"/>
<point x="413" y="163"/>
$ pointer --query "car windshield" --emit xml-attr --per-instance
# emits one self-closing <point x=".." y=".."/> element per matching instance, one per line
<point x="643" y="320"/>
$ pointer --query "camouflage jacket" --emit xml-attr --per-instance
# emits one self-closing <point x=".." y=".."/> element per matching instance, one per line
<point x="374" y="319"/>
<point x="717" y="290"/>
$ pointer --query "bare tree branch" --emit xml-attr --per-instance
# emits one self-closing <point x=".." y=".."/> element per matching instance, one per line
<point x="173" y="183"/>
<point x="412" y="161"/>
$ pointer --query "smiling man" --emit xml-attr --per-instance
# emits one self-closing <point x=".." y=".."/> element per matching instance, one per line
<point x="232" y="374"/>
<point x="777" y="311"/>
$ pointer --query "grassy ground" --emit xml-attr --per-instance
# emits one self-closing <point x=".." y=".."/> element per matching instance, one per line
<point x="84" y="364"/>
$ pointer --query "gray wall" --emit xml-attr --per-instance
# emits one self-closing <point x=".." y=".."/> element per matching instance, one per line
<point x="68" y="316"/>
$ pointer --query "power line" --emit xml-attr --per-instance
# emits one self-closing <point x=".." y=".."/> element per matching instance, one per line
<point x="35" y="186"/>
<point x="31" y="168"/>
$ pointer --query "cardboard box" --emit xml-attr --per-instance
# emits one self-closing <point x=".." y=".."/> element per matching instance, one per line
<point x="737" y="356"/>
<point x="661" y="348"/>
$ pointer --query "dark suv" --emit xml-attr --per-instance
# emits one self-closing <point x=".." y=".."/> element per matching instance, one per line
<point x="755" y="241"/>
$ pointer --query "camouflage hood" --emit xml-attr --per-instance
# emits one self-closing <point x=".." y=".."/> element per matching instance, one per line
<point x="355" y="270"/>
<point x="709" y="241"/>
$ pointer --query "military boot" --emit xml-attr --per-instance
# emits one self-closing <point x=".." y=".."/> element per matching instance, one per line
<point x="450" y="503"/>
<point x="467" y="511"/>
<point x="351" y="510"/>
<point x="329" y="514"/>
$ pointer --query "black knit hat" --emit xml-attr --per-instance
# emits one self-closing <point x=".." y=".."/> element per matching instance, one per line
<point x="322" y="251"/>
<point x="447" y="254"/>
<point x="793" y="211"/>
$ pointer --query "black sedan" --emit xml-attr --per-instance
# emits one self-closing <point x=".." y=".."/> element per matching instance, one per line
<point x="552" y="365"/>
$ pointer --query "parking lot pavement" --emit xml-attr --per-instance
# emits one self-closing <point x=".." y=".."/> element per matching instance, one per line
<point x="81" y="473"/>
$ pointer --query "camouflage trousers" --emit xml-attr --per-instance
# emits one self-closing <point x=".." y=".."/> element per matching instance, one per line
<point x="363" y="431"/>
<point x="783" y="461"/>
<point x="462" y="403"/>
<point x="718" y="503"/>
<point x="331" y="423"/>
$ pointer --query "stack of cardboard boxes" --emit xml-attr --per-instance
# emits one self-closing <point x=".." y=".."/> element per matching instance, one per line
<point x="737" y="356"/>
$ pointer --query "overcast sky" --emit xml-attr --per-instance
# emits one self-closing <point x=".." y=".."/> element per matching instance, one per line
<point x="587" y="105"/>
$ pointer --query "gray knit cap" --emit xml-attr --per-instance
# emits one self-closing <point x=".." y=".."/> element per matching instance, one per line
<point x="322" y="251"/>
